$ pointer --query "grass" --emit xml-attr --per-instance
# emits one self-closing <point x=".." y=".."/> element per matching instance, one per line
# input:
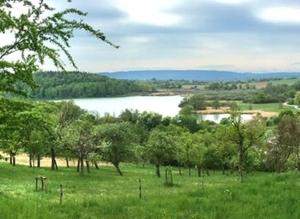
<point x="103" y="194"/>
<point x="290" y="81"/>
<point x="268" y="107"/>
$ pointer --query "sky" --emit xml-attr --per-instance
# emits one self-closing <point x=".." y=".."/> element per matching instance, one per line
<point x="237" y="35"/>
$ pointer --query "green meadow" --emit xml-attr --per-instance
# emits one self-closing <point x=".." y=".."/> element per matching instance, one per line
<point x="104" y="194"/>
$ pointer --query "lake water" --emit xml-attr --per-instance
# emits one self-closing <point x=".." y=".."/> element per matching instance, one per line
<point x="164" y="105"/>
<point x="217" y="118"/>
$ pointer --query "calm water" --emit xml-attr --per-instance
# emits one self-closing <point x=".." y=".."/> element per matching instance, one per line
<point x="164" y="105"/>
<point x="218" y="117"/>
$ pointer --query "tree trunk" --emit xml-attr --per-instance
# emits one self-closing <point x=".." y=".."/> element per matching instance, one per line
<point x="96" y="165"/>
<point x="81" y="165"/>
<point x="53" y="160"/>
<point x="157" y="170"/>
<point x="179" y="170"/>
<point x="298" y="163"/>
<point x="38" y="161"/>
<point x="199" y="171"/>
<point x="189" y="171"/>
<point x="241" y="170"/>
<point x="207" y="172"/>
<point x="87" y="166"/>
<point x="14" y="160"/>
<point x="30" y="160"/>
<point x="10" y="158"/>
<point x="67" y="162"/>
<point x="118" y="169"/>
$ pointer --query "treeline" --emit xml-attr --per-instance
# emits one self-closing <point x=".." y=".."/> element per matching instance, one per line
<point x="63" y="85"/>
<point x="275" y="94"/>
<point x="64" y="130"/>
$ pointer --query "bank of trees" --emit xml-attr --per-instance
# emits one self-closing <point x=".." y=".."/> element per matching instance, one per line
<point x="64" y="130"/>
<point x="63" y="85"/>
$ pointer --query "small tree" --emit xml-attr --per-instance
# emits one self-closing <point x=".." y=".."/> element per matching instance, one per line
<point x="297" y="98"/>
<point x="116" y="141"/>
<point x="185" y="150"/>
<point x="244" y="135"/>
<point x="79" y="137"/>
<point x="161" y="148"/>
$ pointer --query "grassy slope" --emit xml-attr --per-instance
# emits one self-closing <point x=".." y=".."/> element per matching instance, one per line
<point x="269" y="107"/>
<point x="103" y="194"/>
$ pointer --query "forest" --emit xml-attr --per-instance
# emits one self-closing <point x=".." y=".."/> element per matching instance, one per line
<point x="64" y="85"/>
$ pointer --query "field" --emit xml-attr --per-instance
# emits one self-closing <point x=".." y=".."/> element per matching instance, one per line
<point x="104" y="194"/>
<point x="268" y="107"/>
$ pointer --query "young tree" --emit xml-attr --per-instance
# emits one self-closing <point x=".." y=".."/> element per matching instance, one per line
<point x="297" y="98"/>
<point x="116" y="141"/>
<point x="285" y="143"/>
<point x="185" y="150"/>
<point x="39" y="33"/>
<point x="244" y="135"/>
<point x="68" y="113"/>
<point x="10" y="126"/>
<point x="34" y="125"/>
<point x="80" y="139"/>
<point x="161" y="148"/>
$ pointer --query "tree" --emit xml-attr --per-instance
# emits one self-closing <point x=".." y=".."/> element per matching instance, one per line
<point x="297" y="98"/>
<point x="35" y="125"/>
<point x="216" y="104"/>
<point x="185" y="150"/>
<point x="10" y="126"/>
<point x="149" y="120"/>
<point x="244" y="136"/>
<point x="39" y="33"/>
<point x="197" y="101"/>
<point x="116" y="141"/>
<point x="186" y="110"/>
<point x="285" y="143"/>
<point x="68" y="113"/>
<point x="161" y="147"/>
<point x="80" y="139"/>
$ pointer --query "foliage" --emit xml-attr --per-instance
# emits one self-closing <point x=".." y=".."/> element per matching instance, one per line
<point x="38" y="33"/>
<point x="64" y="85"/>
<point x="197" y="101"/>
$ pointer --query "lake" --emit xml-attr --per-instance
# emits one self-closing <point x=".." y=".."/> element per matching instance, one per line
<point x="217" y="118"/>
<point x="164" y="105"/>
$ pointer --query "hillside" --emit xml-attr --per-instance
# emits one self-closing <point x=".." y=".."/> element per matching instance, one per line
<point x="198" y="75"/>
<point x="59" y="85"/>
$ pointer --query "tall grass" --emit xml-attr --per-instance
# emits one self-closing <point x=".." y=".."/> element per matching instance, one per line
<point x="104" y="194"/>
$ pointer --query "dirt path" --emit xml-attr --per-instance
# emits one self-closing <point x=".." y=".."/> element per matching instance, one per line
<point x="23" y="159"/>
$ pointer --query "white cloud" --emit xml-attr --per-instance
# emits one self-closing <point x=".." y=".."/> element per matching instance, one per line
<point x="152" y="12"/>
<point x="281" y="15"/>
<point x="140" y="39"/>
<point x="231" y="1"/>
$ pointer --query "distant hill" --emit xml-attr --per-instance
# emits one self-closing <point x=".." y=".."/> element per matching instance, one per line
<point x="198" y="75"/>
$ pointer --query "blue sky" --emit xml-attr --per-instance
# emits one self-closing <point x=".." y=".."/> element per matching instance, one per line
<point x="239" y="35"/>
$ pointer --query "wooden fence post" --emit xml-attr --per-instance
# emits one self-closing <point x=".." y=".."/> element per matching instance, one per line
<point x="36" y="183"/>
<point x="61" y="194"/>
<point x="140" y="188"/>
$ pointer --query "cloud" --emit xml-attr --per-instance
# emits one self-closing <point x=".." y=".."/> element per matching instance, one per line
<point x="154" y="12"/>
<point x="231" y="1"/>
<point x="283" y="14"/>
<point x="230" y="34"/>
